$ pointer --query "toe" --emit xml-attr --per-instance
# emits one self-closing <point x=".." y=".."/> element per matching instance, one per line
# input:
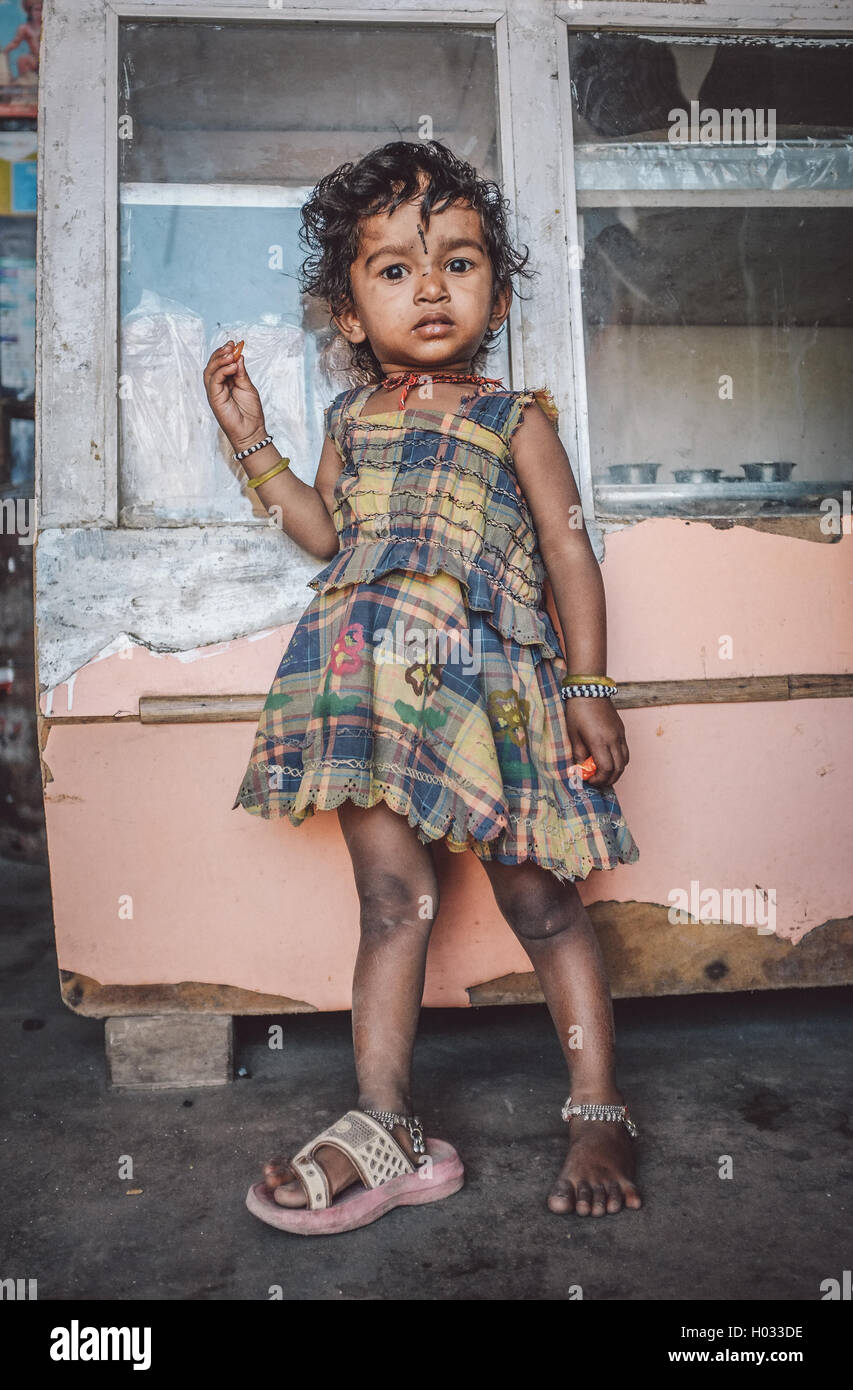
<point x="282" y="1182"/>
<point x="584" y="1202"/>
<point x="276" y="1172"/>
<point x="599" y="1200"/>
<point x="614" y="1197"/>
<point x="632" y="1196"/>
<point x="290" y="1194"/>
<point x="561" y="1198"/>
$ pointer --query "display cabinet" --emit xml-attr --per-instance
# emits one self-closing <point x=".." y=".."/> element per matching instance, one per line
<point x="713" y="197"/>
<point x="690" y="311"/>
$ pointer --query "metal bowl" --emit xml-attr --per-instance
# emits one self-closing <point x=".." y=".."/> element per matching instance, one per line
<point x="697" y="475"/>
<point x="633" y="472"/>
<point x="768" y="472"/>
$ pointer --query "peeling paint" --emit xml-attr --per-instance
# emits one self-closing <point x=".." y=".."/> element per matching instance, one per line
<point x="647" y="955"/>
<point x="193" y="592"/>
<point x="87" y="996"/>
<point x="125" y="642"/>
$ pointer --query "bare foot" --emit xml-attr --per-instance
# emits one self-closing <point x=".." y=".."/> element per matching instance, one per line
<point x="597" y="1176"/>
<point x="288" y="1191"/>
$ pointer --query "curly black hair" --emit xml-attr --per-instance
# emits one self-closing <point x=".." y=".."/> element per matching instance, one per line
<point x="382" y="179"/>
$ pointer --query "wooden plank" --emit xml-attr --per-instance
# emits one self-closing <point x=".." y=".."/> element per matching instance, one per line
<point x="727" y="690"/>
<point x="715" y="691"/>
<point x="734" y="690"/>
<point x="91" y="999"/>
<point x="711" y="16"/>
<point x="199" y="709"/>
<point x="646" y="955"/>
<point x="819" y="687"/>
<point x="188" y="709"/>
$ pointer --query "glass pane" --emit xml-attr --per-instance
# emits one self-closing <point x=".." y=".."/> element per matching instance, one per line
<point x="714" y="184"/>
<point x="17" y="325"/>
<point x="213" y="173"/>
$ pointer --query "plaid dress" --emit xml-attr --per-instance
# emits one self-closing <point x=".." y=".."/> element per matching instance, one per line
<point x="426" y="671"/>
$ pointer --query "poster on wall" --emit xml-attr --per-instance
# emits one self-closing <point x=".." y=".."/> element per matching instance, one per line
<point x="20" y="37"/>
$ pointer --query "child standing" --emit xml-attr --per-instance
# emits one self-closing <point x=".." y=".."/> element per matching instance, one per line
<point x="420" y="693"/>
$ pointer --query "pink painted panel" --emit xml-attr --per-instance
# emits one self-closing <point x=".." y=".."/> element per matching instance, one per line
<point x="722" y="796"/>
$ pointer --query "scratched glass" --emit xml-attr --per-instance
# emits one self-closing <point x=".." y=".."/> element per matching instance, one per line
<point x="224" y="129"/>
<point x="714" y="275"/>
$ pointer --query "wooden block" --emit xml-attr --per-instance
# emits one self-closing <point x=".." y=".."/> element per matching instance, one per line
<point x="163" y="1051"/>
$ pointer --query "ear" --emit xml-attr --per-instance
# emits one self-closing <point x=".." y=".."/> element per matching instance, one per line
<point x="500" y="307"/>
<point x="350" y="325"/>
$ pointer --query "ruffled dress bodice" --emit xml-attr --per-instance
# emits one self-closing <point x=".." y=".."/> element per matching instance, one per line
<point x="426" y="491"/>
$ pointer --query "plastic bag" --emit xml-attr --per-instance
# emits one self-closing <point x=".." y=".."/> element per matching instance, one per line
<point x="168" y="432"/>
<point x="275" y="360"/>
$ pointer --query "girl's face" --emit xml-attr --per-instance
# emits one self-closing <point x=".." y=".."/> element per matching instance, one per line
<point x="405" y="273"/>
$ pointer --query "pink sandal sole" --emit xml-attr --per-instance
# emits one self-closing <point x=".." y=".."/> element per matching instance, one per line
<point x="357" y="1206"/>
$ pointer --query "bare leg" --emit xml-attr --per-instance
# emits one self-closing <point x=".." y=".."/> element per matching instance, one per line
<point x="398" y="894"/>
<point x="552" y="924"/>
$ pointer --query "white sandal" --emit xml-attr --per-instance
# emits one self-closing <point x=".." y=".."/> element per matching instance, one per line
<point x="389" y="1179"/>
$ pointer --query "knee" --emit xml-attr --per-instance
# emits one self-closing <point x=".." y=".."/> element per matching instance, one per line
<point x="544" y="913"/>
<point x="389" y="903"/>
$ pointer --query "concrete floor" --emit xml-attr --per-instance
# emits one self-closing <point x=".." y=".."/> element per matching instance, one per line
<point x="761" y="1077"/>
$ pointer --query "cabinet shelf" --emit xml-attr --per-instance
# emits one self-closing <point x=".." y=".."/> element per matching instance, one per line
<point x="213" y="195"/>
<point x="812" y="173"/>
<point x="715" y="499"/>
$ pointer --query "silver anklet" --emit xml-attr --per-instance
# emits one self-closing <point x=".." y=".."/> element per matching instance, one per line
<point x="388" y="1119"/>
<point x="594" y="1110"/>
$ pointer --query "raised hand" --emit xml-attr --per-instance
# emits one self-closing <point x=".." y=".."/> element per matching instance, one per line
<point x="233" y="398"/>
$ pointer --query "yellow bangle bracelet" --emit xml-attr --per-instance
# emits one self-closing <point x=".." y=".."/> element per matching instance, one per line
<point x="270" y="473"/>
<point x="599" y="680"/>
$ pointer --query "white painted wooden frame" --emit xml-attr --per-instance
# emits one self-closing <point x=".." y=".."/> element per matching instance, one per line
<point x="95" y="580"/>
<point x="78" y="150"/>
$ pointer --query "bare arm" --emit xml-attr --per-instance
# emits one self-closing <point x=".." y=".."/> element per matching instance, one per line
<point x="545" y="475"/>
<point x="19" y="38"/>
<point x="305" y="511"/>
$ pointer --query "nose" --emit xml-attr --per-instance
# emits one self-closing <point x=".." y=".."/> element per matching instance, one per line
<point x="431" y="284"/>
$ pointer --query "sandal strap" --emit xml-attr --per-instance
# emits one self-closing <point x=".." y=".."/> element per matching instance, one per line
<point x="373" y="1152"/>
<point x="600" y="1110"/>
<point x="312" y="1179"/>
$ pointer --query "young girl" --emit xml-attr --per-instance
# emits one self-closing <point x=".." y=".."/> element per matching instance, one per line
<point x="420" y="693"/>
